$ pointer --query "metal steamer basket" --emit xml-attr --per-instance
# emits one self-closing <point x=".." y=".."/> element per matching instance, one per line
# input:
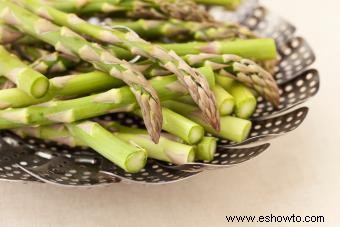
<point x="34" y="160"/>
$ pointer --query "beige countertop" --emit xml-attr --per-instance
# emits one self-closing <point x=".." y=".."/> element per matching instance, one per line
<point x="298" y="175"/>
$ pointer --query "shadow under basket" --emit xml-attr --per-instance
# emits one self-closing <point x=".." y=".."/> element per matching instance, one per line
<point x="35" y="160"/>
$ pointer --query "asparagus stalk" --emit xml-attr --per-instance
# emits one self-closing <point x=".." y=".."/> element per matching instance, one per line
<point x="182" y="127"/>
<point x="245" y="101"/>
<point x="159" y="9"/>
<point x="45" y="63"/>
<point x="191" y="79"/>
<point x="114" y="100"/>
<point x="185" y="30"/>
<point x="209" y="75"/>
<point x="72" y="44"/>
<point x="232" y="128"/>
<point x="170" y="148"/>
<point x="224" y="100"/>
<point x="225" y="82"/>
<point x="28" y="80"/>
<point x="60" y="87"/>
<point x="130" y="158"/>
<point x="243" y="70"/>
<point x="166" y="150"/>
<point x="248" y="48"/>
<point x="235" y="67"/>
<point x="57" y="133"/>
<point x="206" y="149"/>
<point x="229" y="4"/>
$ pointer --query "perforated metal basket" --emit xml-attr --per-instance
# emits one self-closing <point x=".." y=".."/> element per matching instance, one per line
<point x="47" y="162"/>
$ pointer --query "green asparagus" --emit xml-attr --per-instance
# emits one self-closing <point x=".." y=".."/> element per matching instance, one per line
<point x="248" y="48"/>
<point x="57" y="133"/>
<point x="166" y="150"/>
<point x="72" y="44"/>
<point x="232" y="128"/>
<point x="192" y="79"/>
<point x="245" y="101"/>
<point x="159" y="9"/>
<point x="182" y="127"/>
<point x="28" y="80"/>
<point x="130" y="158"/>
<point x="96" y="65"/>
<point x="184" y="30"/>
<point x="78" y="85"/>
<point x="114" y="100"/>
<point x="206" y="149"/>
<point x="225" y="101"/>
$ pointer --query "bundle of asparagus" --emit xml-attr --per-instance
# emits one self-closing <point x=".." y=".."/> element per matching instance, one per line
<point x="59" y="73"/>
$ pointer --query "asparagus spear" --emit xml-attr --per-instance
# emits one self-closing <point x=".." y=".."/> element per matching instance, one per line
<point x="246" y="48"/>
<point x="82" y="84"/>
<point x="72" y="44"/>
<point x="225" y="101"/>
<point x="28" y="80"/>
<point x="65" y="86"/>
<point x="182" y="127"/>
<point x="57" y="133"/>
<point x="225" y="82"/>
<point x="206" y="149"/>
<point x="229" y="4"/>
<point x="235" y="67"/>
<point x="191" y="79"/>
<point x="169" y="149"/>
<point x="232" y="128"/>
<point x="95" y="105"/>
<point x="245" y="101"/>
<point x="243" y="70"/>
<point x="185" y="30"/>
<point x="255" y="49"/>
<point x="114" y="100"/>
<point x="130" y="158"/>
<point x="166" y="150"/>
<point x="159" y="9"/>
<point x="45" y="63"/>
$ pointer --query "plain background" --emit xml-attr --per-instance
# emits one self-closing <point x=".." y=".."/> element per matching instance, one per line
<point x="299" y="175"/>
